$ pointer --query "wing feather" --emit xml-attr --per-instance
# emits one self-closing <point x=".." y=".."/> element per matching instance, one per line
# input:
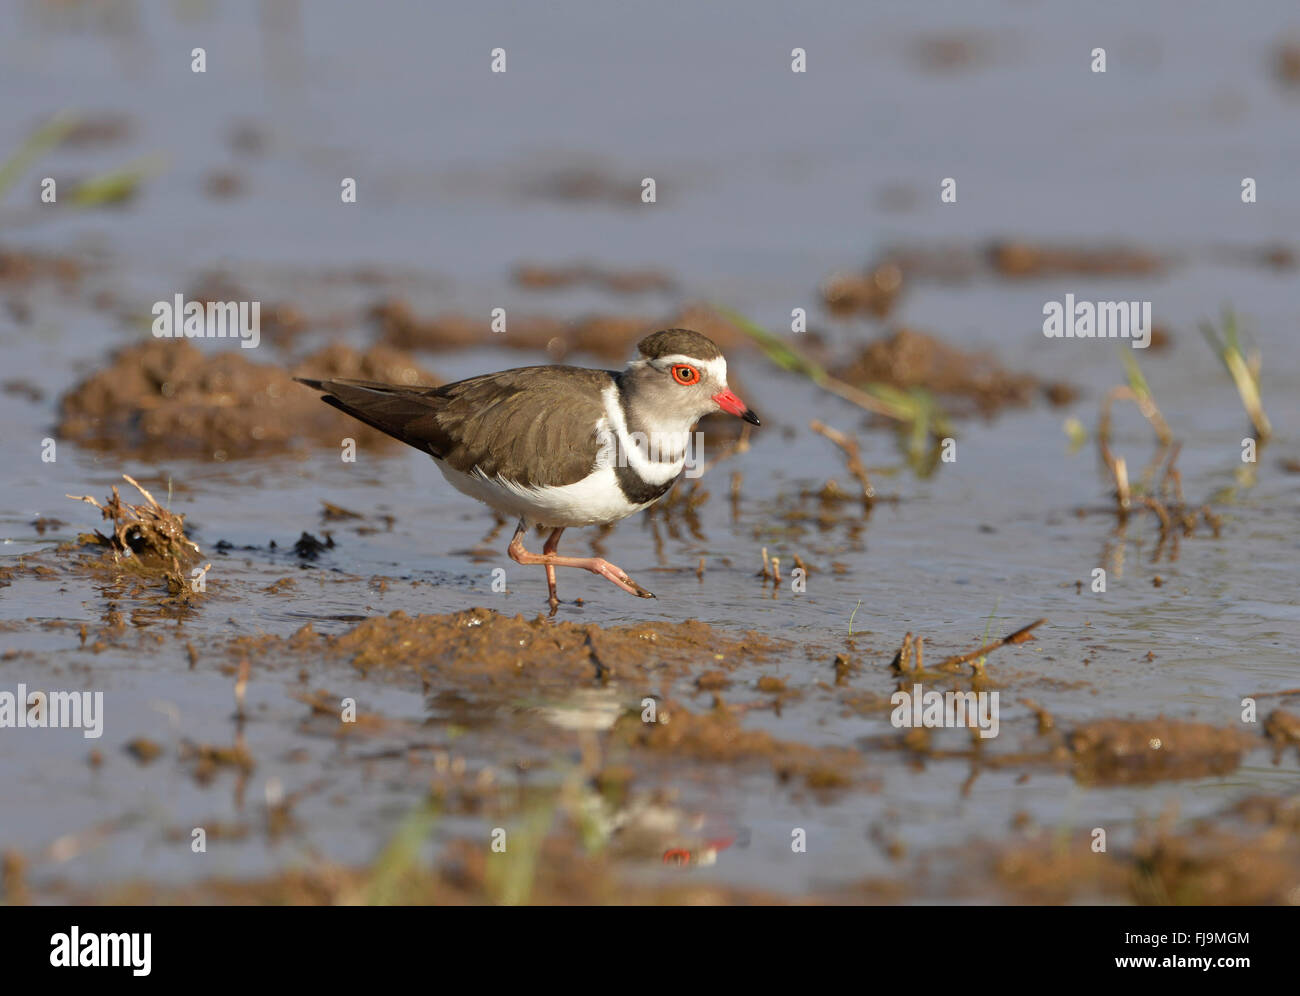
<point x="532" y="425"/>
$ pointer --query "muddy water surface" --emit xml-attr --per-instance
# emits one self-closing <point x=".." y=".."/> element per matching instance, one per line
<point x="1125" y="710"/>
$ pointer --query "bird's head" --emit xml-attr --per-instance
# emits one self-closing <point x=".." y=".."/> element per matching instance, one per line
<point x="681" y="376"/>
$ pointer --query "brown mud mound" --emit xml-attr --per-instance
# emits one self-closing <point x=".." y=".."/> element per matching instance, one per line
<point x="610" y="337"/>
<point x="874" y="292"/>
<point x="169" y="397"/>
<point x="717" y="736"/>
<point x="1210" y="864"/>
<point x="601" y="335"/>
<point x="1017" y="259"/>
<point x="1126" y="751"/>
<point x="485" y="648"/>
<point x="1271" y="810"/>
<point x="21" y="268"/>
<point x="956" y="51"/>
<point x="910" y="359"/>
<point x="1021" y="260"/>
<point x="1286" y="63"/>
<point x="583" y="183"/>
<point x="540" y="276"/>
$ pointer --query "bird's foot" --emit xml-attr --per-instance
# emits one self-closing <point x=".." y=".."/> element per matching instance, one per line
<point x="616" y="575"/>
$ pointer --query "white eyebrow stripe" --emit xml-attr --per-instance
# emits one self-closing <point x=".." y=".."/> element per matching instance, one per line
<point x="716" y="367"/>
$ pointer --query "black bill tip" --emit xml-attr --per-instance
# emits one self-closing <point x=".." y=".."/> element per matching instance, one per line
<point x="749" y="416"/>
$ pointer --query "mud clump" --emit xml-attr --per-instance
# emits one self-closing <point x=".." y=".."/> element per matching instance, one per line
<point x="98" y="129"/>
<point x="954" y="52"/>
<point x="610" y="337"/>
<point x="208" y="759"/>
<point x="224" y="183"/>
<point x="1286" y="64"/>
<point x="1213" y="866"/>
<point x="718" y="737"/>
<point x="24" y="268"/>
<point x="909" y="359"/>
<point x="874" y="292"/>
<point x="144" y="750"/>
<point x="1134" y="752"/>
<point x="601" y="335"/>
<point x="1210" y="864"/>
<point x="1270" y="810"/>
<point x="582" y="184"/>
<point x="539" y="276"/>
<point x="1020" y="260"/>
<point x="377" y="363"/>
<point x="1043" y="870"/>
<point x="22" y="388"/>
<point x="169" y="397"/>
<point x="1283" y="729"/>
<point x="148" y="535"/>
<point x="483" y="647"/>
<point x="1024" y="260"/>
<point x="712" y="681"/>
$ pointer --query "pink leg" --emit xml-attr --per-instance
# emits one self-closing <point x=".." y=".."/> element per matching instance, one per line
<point x="551" y="545"/>
<point x="597" y="565"/>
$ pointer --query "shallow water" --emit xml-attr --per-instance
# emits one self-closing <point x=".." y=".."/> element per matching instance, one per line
<point x="768" y="182"/>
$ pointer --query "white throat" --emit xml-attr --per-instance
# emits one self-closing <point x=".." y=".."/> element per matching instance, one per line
<point x="656" y="455"/>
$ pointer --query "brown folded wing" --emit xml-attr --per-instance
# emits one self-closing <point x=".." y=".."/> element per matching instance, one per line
<point x="532" y="425"/>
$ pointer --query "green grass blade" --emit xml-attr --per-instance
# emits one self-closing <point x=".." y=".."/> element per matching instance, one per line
<point x="46" y="137"/>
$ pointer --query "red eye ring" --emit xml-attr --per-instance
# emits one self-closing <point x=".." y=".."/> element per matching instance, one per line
<point x="685" y="375"/>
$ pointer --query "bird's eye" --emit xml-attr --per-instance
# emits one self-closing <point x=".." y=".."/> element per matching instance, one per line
<point x="685" y="375"/>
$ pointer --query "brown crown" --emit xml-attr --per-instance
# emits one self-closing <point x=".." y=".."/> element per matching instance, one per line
<point x="682" y="341"/>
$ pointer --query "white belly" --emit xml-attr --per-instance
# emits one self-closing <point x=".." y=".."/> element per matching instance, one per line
<point x="596" y="500"/>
